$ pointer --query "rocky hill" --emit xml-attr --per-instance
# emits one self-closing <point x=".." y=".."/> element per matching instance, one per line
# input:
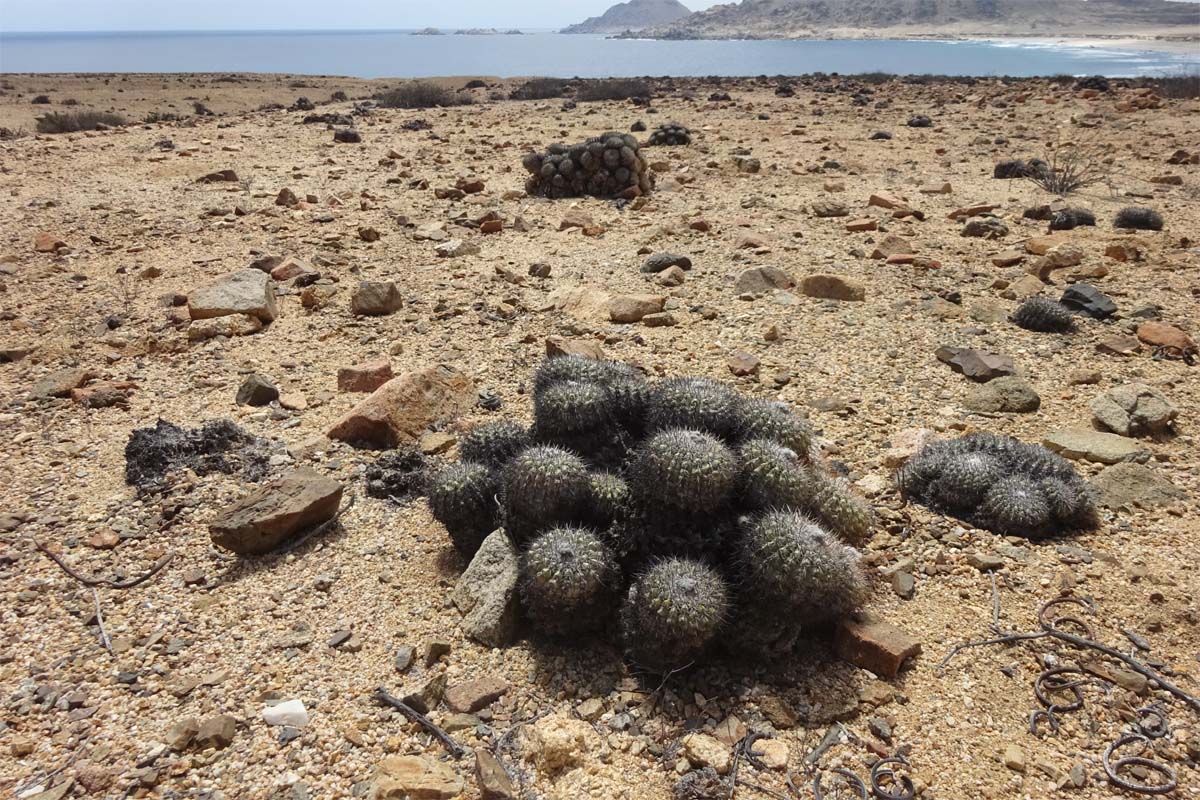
<point x="773" y="19"/>
<point x="634" y="15"/>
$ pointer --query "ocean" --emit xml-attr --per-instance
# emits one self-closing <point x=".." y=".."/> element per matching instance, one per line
<point x="373" y="54"/>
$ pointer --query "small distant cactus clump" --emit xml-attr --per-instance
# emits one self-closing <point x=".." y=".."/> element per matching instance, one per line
<point x="1001" y="484"/>
<point x="609" y="165"/>
<point x="1139" y="218"/>
<point x="1071" y="218"/>
<point x="1043" y="314"/>
<point x="676" y="513"/>
<point x="670" y="133"/>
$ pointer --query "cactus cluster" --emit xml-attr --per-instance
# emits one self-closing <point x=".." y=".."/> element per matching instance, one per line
<point x="675" y="514"/>
<point x="1043" y="314"/>
<point x="609" y="165"/>
<point x="670" y="133"/>
<point x="1001" y="484"/>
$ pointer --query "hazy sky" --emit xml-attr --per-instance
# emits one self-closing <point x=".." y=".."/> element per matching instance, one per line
<point x="57" y="15"/>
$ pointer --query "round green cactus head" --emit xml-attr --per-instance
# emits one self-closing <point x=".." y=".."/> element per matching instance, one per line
<point x="694" y="403"/>
<point x="673" y="612"/>
<point x="543" y="486"/>
<point x="567" y="579"/>
<point x="768" y="419"/>
<point x="463" y="498"/>
<point x="683" y="469"/>
<point x="494" y="443"/>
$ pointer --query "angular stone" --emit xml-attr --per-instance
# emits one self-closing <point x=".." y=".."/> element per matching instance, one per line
<point x="181" y="734"/>
<point x="742" y="363"/>
<point x="561" y="346"/>
<point x="216" y="732"/>
<point x="486" y="593"/>
<point x="758" y="280"/>
<point x="891" y="245"/>
<point x="978" y="365"/>
<point x="60" y="383"/>
<point x="629" y="308"/>
<point x="985" y="228"/>
<point x="399" y="411"/>
<point x="702" y="750"/>
<point x="376" y="299"/>
<point x="861" y="225"/>
<point x="365" y="377"/>
<point x="575" y="219"/>
<point x="415" y="778"/>
<point x="289" y="268"/>
<point x="1129" y="485"/>
<point x="1008" y="258"/>
<point x="1006" y="394"/>
<point x="1133" y="409"/>
<point x="886" y="201"/>
<point x="273" y="514"/>
<point x="1081" y="444"/>
<point x="833" y="287"/>
<point x="827" y="208"/>
<point x="246" y="291"/>
<point x="1119" y="344"/>
<point x="467" y="698"/>
<point x="428" y="694"/>
<point x="874" y="645"/>
<point x="456" y="248"/>
<point x="1087" y="299"/>
<point x="220" y="176"/>
<point x="490" y="777"/>
<point x="557" y="742"/>
<point x="671" y="276"/>
<point x="257" y="390"/>
<point x="231" y="325"/>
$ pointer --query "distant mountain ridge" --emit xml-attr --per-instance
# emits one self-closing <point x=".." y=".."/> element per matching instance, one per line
<point x="781" y="19"/>
<point x="634" y="15"/>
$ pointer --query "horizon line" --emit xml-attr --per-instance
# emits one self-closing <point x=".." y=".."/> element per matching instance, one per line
<point x="449" y="28"/>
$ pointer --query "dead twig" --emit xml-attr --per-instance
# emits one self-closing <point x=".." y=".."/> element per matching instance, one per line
<point x="104" y="639"/>
<point x="452" y="747"/>
<point x="111" y="584"/>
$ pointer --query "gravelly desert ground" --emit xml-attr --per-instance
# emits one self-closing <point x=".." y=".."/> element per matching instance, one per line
<point x="214" y="635"/>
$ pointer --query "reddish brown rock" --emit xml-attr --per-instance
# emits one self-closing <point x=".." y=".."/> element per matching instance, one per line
<point x="1160" y="334"/>
<point x="469" y="697"/>
<point x="575" y="219"/>
<point x="874" y="645"/>
<point x="833" y="287"/>
<point x="60" y="383"/>
<point x="365" y="377"/>
<point x="742" y="363"/>
<point x="273" y="514"/>
<point x="47" y="242"/>
<point x="104" y="394"/>
<point x="859" y="225"/>
<point x="400" y="411"/>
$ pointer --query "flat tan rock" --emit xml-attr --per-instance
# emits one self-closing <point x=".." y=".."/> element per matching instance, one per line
<point x="415" y="778"/>
<point x="246" y="291"/>
<point x="400" y="411"/>
<point x="273" y="514"/>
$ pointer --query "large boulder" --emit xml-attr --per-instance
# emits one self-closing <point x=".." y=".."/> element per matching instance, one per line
<point x="273" y="514"/>
<point x="399" y="411"/>
<point x="246" y="291"/>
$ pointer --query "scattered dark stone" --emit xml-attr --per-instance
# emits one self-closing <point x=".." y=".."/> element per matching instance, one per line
<point x="884" y="135"/>
<point x="660" y="261"/>
<point x="1087" y="299"/>
<point x="785" y="90"/>
<point x="215" y="446"/>
<point x="416" y="125"/>
<point x="539" y="270"/>
<point x="220" y="176"/>
<point x="302" y="104"/>
<point x="489" y="400"/>
<point x="638" y="126"/>
<point x="397" y="474"/>
<point x="1097" y="83"/>
<point x="338" y="120"/>
<point x="1013" y="169"/>
<point x="985" y="228"/>
<point x="347" y="136"/>
<point x="919" y="121"/>
<point x="289" y="734"/>
<point x="257" y="390"/>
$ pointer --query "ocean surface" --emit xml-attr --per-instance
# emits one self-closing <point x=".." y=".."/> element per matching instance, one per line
<point x="375" y="54"/>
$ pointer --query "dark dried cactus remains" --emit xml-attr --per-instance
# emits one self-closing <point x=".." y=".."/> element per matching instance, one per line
<point x="651" y="494"/>
<point x="1001" y="484"/>
<point x="1043" y="314"/>
<point x="609" y="165"/>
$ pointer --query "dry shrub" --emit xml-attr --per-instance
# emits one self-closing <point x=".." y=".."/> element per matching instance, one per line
<point x="77" y="121"/>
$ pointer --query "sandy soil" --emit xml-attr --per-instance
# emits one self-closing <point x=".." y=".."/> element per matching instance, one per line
<point x="206" y="635"/>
